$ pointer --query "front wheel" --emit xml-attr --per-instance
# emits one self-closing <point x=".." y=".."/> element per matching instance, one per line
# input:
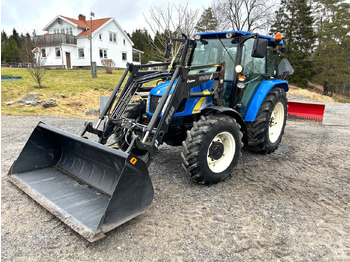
<point x="265" y="133"/>
<point x="212" y="148"/>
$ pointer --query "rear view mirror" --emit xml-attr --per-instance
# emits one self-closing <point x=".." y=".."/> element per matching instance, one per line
<point x="285" y="68"/>
<point x="260" y="47"/>
<point x="167" y="53"/>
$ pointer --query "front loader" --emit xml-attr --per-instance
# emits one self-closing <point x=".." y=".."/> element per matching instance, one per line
<point x="219" y="94"/>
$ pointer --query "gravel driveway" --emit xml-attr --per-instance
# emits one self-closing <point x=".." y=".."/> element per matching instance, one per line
<point x="292" y="205"/>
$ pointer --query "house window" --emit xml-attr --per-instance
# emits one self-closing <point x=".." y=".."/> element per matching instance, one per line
<point x="81" y="53"/>
<point x="124" y="56"/>
<point x="112" y="37"/>
<point x="62" y="30"/>
<point x="58" y="52"/>
<point x="103" y="53"/>
<point x="124" y="41"/>
<point x="71" y="31"/>
<point x="43" y="52"/>
<point x="100" y="37"/>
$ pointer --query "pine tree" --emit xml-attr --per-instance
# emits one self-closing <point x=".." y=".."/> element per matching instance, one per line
<point x="142" y="40"/>
<point x="295" y="22"/>
<point x="332" y="55"/>
<point x="207" y="22"/>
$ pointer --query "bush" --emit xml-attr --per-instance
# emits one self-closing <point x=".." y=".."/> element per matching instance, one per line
<point x="109" y="65"/>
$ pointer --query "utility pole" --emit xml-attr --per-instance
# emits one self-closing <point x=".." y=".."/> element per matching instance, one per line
<point x="92" y="64"/>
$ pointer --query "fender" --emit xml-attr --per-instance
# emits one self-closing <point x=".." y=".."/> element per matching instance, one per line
<point x="260" y="95"/>
<point x="230" y="112"/>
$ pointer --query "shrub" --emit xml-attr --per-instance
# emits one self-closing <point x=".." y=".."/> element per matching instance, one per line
<point x="109" y="65"/>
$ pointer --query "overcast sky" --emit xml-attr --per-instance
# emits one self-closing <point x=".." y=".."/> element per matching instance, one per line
<point x="25" y="15"/>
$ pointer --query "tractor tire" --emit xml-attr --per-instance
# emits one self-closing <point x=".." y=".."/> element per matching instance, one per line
<point x="265" y="133"/>
<point x="134" y="111"/>
<point x="212" y="148"/>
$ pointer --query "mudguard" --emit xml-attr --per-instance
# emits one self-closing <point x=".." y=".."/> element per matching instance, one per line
<point x="260" y="95"/>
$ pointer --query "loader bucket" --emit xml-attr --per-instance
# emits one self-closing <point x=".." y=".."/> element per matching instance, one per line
<point x="305" y="112"/>
<point x="90" y="187"/>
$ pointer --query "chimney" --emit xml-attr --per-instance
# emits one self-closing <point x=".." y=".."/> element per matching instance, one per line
<point x="82" y="17"/>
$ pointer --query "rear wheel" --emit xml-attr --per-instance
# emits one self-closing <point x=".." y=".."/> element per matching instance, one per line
<point x="265" y="133"/>
<point x="212" y="148"/>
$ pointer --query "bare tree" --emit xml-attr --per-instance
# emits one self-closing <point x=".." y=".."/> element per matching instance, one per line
<point x="35" y="60"/>
<point x="244" y="15"/>
<point x="170" y="23"/>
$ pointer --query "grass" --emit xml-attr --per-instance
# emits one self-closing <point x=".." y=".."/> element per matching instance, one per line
<point x="81" y="92"/>
<point x="314" y="93"/>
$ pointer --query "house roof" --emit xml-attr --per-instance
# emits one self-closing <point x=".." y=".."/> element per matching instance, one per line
<point x="85" y="24"/>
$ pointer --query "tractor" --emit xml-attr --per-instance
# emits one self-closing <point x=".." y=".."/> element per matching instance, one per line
<point x="220" y="94"/>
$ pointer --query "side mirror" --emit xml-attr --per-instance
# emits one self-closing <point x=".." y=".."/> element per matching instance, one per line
<point x="285" y="69"/>
<point x="167" y="53"/>
<point x="259" y="47"/>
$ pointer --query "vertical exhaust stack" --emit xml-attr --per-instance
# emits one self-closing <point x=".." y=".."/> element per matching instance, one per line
<point x="90" y="187"/>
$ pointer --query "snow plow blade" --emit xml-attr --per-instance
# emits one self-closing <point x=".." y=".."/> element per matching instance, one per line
<point x="90" y="187"/>
<point x="298" y="111"/>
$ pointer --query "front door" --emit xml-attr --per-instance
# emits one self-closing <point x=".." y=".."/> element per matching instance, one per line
<point x="68" y="61"/>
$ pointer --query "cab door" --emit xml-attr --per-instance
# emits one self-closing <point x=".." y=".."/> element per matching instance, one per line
<point x="254" y="69"/>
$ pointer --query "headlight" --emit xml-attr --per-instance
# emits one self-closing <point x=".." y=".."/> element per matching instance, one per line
<point x="239" y="69"/>
<point x="241" y="85"/>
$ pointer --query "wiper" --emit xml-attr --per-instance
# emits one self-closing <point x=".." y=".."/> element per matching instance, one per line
<point x="225" y="49"/>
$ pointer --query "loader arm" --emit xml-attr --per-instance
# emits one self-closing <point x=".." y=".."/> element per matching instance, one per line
<point x="169" y="104"/>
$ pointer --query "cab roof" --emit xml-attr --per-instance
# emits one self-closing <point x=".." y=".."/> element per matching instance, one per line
<point x="237" y="33"/>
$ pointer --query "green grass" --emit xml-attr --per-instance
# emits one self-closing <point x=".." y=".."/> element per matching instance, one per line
<point x="81" y="91"/>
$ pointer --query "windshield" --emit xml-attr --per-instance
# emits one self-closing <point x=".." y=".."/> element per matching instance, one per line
<point x="213" y="51"/>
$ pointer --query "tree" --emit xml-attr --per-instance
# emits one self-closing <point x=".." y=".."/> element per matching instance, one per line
<point x="142" y="39"/>
<point x="16" y="37"/>
<point x="244" y="15"/>
<point x="207" y="22"/>
<point x="170" y="23"/>
<point x="294" y="20"/>
<point x="36" y="59"/>
<point x="10" y="51"/>
<point x="332" y="55"/>
<point x="4" y="41"/>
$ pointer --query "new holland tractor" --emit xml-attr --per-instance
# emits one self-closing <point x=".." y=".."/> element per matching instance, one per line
<point x="220" y="93"/>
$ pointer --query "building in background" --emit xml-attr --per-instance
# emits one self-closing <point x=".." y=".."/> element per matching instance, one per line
<point x="67" y="43"/>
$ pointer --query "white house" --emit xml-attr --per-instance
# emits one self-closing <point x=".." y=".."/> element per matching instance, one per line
<point x="67" y="42"/>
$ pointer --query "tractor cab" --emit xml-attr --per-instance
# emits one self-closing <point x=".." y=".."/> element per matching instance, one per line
<point x="249" y="60"/>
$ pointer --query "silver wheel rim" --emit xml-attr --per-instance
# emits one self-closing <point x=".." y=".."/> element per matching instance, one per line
<point x="276" y="122"/>
<point x="228" y="141"/>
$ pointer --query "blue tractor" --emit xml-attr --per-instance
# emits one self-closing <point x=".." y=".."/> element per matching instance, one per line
<point x="220" y="94"/>
<point x="225" y="95"/>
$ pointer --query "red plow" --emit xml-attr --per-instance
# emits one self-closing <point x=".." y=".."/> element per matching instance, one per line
<point x="298" y="111"/>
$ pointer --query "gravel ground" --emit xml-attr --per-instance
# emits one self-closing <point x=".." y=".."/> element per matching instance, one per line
<point x="292" y="205"/>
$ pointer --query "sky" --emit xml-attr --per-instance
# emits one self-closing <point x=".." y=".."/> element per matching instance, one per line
<point x="25" y="15"/>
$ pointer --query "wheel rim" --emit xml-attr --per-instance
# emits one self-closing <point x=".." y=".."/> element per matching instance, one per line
<point x="276" y="122"/>
<point x="225" y="144"/>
